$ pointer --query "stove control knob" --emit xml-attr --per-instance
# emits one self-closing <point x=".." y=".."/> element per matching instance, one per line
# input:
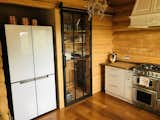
<point x="147" y="73"/>
<point x="151" y="74"/>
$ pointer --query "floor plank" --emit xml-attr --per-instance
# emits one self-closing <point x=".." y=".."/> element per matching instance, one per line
<point x="100" y="107"/>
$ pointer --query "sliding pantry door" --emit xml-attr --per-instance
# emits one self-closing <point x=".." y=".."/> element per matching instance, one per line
<point x="76" y="36"/>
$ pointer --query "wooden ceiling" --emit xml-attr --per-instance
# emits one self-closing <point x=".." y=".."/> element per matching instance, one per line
<point x="121" y="6"/>
<point x="115" y="3"/>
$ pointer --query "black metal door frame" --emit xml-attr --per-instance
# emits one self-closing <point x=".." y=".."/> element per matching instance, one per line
<point x="79" y="11"/>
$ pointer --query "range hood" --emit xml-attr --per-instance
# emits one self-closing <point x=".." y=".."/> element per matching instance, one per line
<point x="145" y="14"/>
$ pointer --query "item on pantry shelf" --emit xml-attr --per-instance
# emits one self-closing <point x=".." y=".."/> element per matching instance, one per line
<point x="112" y="57"/>
<point x="25" y="21"/>
<point x="34" y="22"/>
<point x="12" y="20"/>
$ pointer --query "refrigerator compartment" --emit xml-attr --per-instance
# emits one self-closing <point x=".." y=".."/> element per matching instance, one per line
<point x="20" y="52"/>
<point x="43" y="50"/>
<point x="24" y="100"/>
<point x="45" y="88"/>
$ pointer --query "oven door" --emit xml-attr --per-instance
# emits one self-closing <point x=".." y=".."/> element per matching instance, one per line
<point x="144" y="98"/>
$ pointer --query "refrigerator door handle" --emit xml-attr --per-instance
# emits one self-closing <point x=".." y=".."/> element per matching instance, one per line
<point x="26" y="81"/>
<point x="43" y="77"/>
<point x="33" y="79"/>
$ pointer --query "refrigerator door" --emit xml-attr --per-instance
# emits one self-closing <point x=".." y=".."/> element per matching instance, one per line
<point x="20" y="52"/>
<point x="24" y="100"/>
<point x="46" y="94"/>
<point x="43" y="50"/>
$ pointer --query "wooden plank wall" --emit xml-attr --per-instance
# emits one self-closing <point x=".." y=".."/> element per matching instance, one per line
<point x="4" y="111"/>
<point x="141" y="46"/>
<point x="60" y="81"/>
<point x="101" y="46"/>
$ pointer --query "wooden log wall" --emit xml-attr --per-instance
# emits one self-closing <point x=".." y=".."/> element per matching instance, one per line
<point x="101" y="46"/>
<point x="4" y="111"/>
<point x="141" y="46"/>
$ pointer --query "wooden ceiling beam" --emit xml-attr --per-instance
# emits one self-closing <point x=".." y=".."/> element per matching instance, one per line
<point x="123" y="9"/>
<point x="115" y="3"/>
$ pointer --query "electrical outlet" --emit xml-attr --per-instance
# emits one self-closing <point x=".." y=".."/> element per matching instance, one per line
<point x="126" y="57"/>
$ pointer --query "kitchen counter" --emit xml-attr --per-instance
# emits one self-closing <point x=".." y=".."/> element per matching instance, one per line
<point x="123" y="65"/>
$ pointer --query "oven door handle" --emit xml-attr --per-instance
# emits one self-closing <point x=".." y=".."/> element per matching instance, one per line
<point x="145" y="90"/>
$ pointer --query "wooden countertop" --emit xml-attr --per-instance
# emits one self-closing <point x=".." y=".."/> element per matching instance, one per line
<point x="123" y="65"/>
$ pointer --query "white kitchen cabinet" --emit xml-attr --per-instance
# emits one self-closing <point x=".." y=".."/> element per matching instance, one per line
<point x="46" y="94"/>
<point x="43" y="50"/>
<point x="24" y="100"/>
<point x="118" y="82"/>
<point x="20" y="52"/>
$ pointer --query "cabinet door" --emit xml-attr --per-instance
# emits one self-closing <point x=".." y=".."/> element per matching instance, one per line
<point x="114" y="80"/>
<point x="128" y="85"/>
<point x="24" y="100"/>
<point x="20" y="52"/>
<point x="142" y="7"/>
<point x="46" y="94"/>
<point x="43" y="50"/>
<point x="128" y="93"/>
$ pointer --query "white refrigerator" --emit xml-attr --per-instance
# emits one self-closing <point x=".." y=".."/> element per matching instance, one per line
<point x="32" y="71"/>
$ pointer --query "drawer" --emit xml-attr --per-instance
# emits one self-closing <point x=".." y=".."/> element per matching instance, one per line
<point x="114" y="69"/>
<point x="116" y="90"/>
<point x="114" y="80"/>
<point x="113" y="89"/>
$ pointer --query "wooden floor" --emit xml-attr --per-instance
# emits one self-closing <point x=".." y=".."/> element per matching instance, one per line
<point x="100" y="107"/>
